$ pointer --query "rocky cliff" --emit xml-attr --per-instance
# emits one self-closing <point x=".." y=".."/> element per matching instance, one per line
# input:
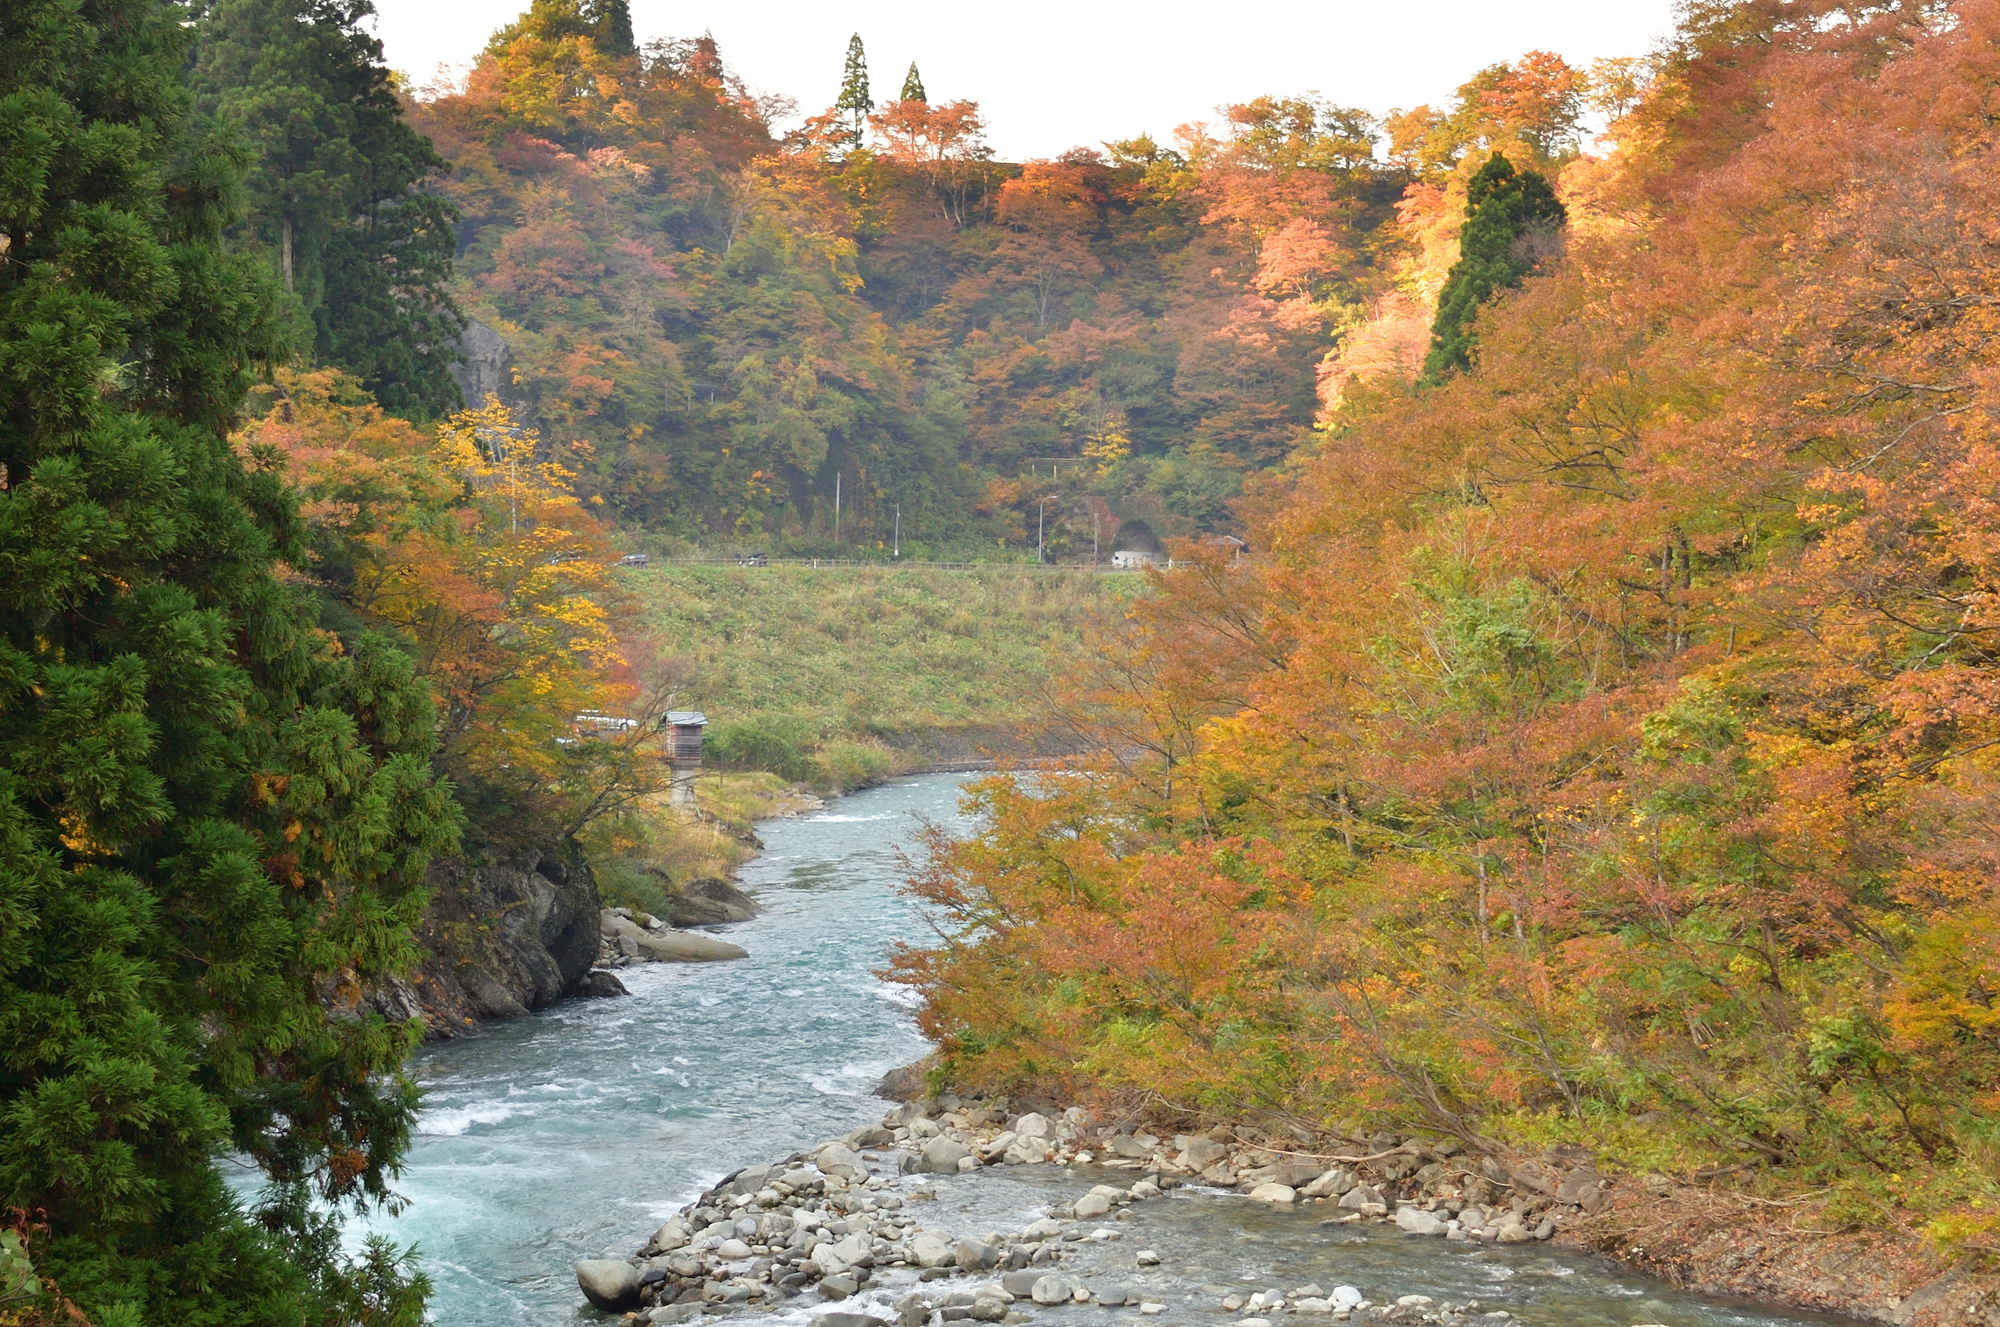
<point x="507" y="931"/>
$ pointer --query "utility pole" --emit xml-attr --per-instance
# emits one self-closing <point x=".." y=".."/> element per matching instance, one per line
<point x="897" y="545"/>
<point x="836" y="511"/>
<point x="1093" y="536"/>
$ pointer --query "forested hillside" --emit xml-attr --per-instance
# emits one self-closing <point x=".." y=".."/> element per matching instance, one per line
<point x="724" y="322"/>
<point x="1602" y="748"/>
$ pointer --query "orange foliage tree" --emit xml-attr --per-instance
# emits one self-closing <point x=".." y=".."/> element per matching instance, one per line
<point x="1612" y="732"/>
<point x="470" y="546"/>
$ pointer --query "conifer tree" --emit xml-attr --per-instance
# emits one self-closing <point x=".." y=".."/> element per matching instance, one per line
<point x="1511" y="217"/>
<point x="913" y="86"/>
<point x="611" y="24"/>
<point x="337" y="189"/>
<point x="854" y="99"/>
<point x="213" y="821"/>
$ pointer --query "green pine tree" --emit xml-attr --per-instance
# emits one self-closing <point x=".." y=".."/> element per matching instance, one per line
<point x="337" y="190"/>
<point x="854" y="98"/>
<point x="913" y="85"/>
<point x="213" y="820"/>
<point x="1509" y="218"/>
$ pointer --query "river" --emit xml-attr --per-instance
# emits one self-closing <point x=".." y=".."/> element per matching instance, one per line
<point x="574" y="1132"/>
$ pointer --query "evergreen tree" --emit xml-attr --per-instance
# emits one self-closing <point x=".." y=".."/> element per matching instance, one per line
<point x="336" y="189"/>
<point x="1511" y="217"/>
<point x="913" y="86"/>
<point x="854" y="97"/>
<point x="611" y="25"/>
<point x="213" y="822"/>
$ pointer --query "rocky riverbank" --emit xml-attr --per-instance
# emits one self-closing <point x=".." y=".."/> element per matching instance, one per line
<point x="821" y="1227"/>
<point x="825" y="1225"/>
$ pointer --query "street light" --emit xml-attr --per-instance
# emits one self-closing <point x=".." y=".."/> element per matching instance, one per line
<point x="1038" y="526"/>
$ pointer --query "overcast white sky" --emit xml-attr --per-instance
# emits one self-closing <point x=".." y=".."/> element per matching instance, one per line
<point x="1050" y="75"/>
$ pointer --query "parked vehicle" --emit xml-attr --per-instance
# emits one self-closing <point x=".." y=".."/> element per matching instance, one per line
<point x="633" y="560"/>
<point x="757" y="559"/>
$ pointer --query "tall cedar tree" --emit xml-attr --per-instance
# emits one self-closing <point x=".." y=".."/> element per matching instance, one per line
<point x="611" y="24"/>
<point x="213" y="821"/>
<point x="855" y="101"/>
<point x="913" y="86"/>
<point x="1511" y="218"/>
<point x="338" y="190"/>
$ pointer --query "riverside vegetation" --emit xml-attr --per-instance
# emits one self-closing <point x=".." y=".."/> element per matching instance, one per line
<point x="1602" y="750"/>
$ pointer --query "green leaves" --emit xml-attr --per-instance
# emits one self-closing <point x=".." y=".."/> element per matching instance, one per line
<point x="212" y="822"/>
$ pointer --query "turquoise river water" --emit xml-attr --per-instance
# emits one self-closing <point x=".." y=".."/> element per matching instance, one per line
<point x="573" y="1133"/>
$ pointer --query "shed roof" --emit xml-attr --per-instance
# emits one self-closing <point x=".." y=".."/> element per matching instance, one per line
<point x="687" y="719"/>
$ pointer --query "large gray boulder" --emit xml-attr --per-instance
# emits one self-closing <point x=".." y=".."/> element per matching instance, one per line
<point x="941" y="1155"/>
<point x="708" y="902"/>
<point x="607" y="1282"/>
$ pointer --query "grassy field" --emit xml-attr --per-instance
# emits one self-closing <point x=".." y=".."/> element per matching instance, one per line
<point x="836" y="677"/>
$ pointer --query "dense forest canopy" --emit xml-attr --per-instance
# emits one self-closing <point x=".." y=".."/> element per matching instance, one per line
<point x="1602" y="748"/>
<point x="726" y="321"/>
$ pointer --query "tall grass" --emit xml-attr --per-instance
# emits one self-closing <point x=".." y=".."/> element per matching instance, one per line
<point x="821" y="674"/>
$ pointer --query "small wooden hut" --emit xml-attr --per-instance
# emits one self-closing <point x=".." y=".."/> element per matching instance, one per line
<point x="684" y="732"/>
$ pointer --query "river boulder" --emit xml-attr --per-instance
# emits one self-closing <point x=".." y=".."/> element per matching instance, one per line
<point x="942" y="1154"/>
<point x="709" y="901"/>
<point x="608" y="1283"/>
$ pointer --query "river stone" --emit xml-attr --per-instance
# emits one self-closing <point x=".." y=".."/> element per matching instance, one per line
<point x="1346" y="1297"/>
<point x="609" y="1283"/>
<point x="854" y="1249"/>
<point x="1112" y="1298"/>
<point x="1273" y="1193"/>
<point x="688" y="947"/>
<point x="1033" y="1125"/>
<point x="1092" y="1204"/>
<point x="1147" y="1258"/>
<point x="1513" y="1232"/>
<point x="838" y="1287"/>
<point x="1053" y="1288"/>
<point x="1201" y="1153"/>
<point x="1312" y="1304"/>
<point x="989" y="1310"/>
<point x="1331" y="1184"/>
<point x="929" y="1251"/>
<point x="973" y="1256"/>
<point x="710" y="900"/>
<point x="732" y="1250"/>
<point x="1419" y="1222"/>
<point x="1365" y="1198"/>
<point x="1020" y="1284"/>
<point x="837" y="1319"/>
<point x="941" y="1155"/>
<point x="1252" y="1322"/>
<point x="844" y="1162"/>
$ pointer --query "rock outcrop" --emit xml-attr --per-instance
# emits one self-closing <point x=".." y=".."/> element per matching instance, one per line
<point x="507" y="931"/>
<point x="484" y="372"/>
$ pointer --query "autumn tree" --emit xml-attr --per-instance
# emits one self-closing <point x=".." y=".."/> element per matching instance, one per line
<point x="913" y="86"/>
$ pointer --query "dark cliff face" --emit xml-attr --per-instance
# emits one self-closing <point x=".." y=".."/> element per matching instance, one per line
<point x="507" y="931"/>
